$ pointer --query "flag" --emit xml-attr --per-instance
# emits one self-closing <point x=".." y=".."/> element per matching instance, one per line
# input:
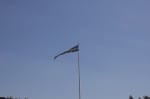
<point x="73" y="49"/>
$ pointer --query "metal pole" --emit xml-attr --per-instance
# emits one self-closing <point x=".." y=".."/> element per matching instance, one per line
<point x="79" y="75"/>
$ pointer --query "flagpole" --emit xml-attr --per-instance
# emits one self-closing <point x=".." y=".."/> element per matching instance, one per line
<point x="79" y="76"/>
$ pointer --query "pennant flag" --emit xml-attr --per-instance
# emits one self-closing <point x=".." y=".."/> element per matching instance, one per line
<point x="73" y="49"/>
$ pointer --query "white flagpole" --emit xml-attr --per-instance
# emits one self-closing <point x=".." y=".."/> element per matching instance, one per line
<point x="79" y="76"/>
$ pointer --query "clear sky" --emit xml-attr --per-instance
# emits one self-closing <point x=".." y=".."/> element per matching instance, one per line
<point x="114" y="37"/>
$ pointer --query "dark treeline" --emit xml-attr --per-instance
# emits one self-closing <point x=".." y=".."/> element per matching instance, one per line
<point x="10" y="97"/>
<point x="144" y="97"/>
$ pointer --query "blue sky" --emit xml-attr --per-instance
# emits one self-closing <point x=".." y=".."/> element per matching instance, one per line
<point x="114" y="48"/>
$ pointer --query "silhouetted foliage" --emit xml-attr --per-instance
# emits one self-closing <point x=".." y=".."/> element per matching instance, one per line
<point x="146" y="97"/>
<point x="130" y="97"/>
<point x="2" y="97"/>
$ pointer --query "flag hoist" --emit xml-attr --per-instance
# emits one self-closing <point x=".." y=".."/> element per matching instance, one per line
<point x="74" y="49"/>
